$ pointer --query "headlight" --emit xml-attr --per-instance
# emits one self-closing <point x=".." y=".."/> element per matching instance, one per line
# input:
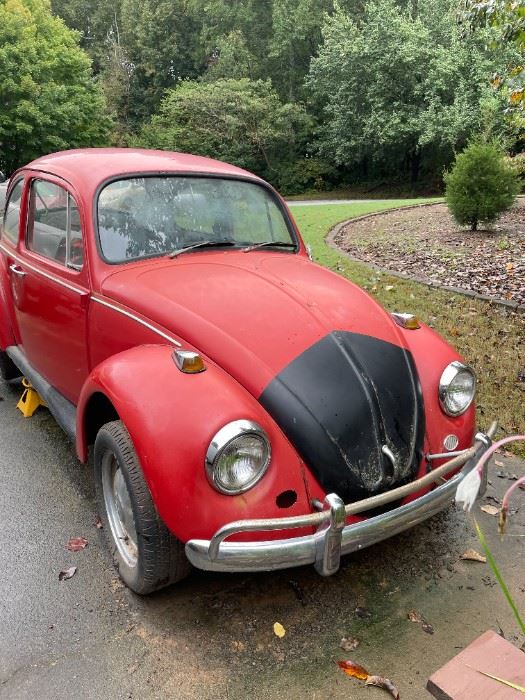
<point x="457" y="388"/>
<point x="237" y="457"/>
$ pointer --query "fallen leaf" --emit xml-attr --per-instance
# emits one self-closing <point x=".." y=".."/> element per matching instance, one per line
<point x="76" y="544"/>
<point x="498" y="463"/>
<point x="349" y="643"/>
<point x="98" y="523"/>
<point x="427" y="627"/>
<point x="279" y="630"/>
<point x="389" y="287"/>
<point x="472" y="555"/>
<point x="67" y="573"/>
<point x="490" y="510"/>
<point x="353" y="670"/>
<point x="414" y="616"/>
<point x="384" y="683"/>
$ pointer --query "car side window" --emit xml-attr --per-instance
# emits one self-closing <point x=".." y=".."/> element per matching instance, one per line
<point x="12" y="213"/>
<point x="53" y="227"/>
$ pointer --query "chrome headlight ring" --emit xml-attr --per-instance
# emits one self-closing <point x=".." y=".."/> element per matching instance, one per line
<point x="239" y="452"/>
<point x="457" y="388"/>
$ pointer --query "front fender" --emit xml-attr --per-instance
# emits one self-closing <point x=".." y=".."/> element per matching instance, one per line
<point x="171" y="418"/>
<point x="432" y="354"/>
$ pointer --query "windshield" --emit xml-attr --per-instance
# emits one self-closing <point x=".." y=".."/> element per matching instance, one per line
<point x="148" y="216"/>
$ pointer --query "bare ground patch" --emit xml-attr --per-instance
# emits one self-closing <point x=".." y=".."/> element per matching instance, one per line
<point x="426" y="244"/>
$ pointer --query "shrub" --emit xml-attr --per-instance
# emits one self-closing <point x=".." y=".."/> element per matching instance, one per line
<point x="481" y="185"/>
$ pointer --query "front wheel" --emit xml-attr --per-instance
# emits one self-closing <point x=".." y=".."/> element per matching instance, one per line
<point x="146" y="554"/>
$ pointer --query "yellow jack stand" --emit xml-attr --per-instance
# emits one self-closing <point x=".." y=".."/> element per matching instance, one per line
<point x="30" y="400"/>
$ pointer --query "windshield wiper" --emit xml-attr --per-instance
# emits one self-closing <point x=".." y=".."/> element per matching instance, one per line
<point x="202" y="244"/>
<point x="278" y="244"/>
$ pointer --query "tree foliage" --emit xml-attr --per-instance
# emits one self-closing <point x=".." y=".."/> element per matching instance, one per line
<point x="481" y="185"/>
<point x="507" y="19"/>
<point x="240" y="121"/>
<point x="48" y="99"/>
<point x="394" y="87"/>
<point x="372" y="88"/>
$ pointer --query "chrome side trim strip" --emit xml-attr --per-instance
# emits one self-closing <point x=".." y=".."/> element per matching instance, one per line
<point x="38" y="271"/>
<point x="133" y="317"/>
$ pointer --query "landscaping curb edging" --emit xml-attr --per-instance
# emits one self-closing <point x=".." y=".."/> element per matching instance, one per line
<point x="333" y="232"/>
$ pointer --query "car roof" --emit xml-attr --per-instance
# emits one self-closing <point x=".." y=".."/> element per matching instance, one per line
<point x="88" y="167"/>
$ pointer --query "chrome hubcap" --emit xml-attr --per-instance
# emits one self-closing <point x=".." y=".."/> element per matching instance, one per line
<point x="119" y="510"/>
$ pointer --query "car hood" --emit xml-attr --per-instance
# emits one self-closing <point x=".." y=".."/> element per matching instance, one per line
<point x="251" y="313"/>
<point x="327" y="363"/>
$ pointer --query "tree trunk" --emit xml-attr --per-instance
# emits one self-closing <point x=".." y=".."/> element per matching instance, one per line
<point x="415" y="164"/>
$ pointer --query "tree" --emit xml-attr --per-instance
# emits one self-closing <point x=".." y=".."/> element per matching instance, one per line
<point x="481" y="185"/>
<point x="158" y="38"/>
<point x="391" y="88"/>
<point x="48" y="99"/>
<point x="97" y="22"/>
<point x="296" y="35"/>
<point x="239" y="121"/>
<point x="230" y="58"/>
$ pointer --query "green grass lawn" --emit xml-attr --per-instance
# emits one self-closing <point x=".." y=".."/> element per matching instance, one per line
<point x="491" y="339"/>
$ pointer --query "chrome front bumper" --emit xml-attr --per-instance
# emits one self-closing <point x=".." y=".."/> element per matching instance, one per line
<point x="332" y="538"/>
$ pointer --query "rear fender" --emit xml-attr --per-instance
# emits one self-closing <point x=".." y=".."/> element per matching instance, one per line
<point x="171" y="418"/>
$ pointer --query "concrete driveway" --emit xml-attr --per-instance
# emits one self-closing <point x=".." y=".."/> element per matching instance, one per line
<point x="211" y="637"/>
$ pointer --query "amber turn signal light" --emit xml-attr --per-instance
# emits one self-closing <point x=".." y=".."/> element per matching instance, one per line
<point x="407" y="321"/>
<point x="188" y="361"/>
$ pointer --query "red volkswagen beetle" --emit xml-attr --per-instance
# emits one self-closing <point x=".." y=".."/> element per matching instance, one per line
<point x="249" y="409"/>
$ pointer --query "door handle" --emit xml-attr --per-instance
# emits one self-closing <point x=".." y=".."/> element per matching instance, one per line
<point x="17" y="270"/>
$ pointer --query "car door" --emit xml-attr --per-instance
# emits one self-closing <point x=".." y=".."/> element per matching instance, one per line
<point x="50" y="286"/>
<point x="10" y="232"/>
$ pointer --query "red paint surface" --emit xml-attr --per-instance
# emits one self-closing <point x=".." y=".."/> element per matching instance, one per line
<point x="249" y="314"/>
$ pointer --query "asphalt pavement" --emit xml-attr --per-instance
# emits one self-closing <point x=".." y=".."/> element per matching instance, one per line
<point x="211" y="637"/>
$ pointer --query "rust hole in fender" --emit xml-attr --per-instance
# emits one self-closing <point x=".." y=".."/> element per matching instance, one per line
<point x="286" y="499"/>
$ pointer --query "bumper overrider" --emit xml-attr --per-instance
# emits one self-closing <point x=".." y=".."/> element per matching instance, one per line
<point x="332" y="537"/>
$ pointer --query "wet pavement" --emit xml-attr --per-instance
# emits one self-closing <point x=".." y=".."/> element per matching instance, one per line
<point x="211" y="637"/>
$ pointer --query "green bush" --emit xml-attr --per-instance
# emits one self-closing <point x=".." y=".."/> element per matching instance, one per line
<point x="481" y="185"/>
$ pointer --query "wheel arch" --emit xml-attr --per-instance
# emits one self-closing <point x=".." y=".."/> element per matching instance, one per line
<point x="98" y="410"/>
<point x="171" y="418"/>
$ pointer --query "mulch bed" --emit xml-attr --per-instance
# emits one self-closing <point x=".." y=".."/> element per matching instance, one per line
<point x="425" y="243"/>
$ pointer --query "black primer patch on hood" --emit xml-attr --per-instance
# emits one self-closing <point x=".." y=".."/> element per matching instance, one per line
<point x="344" y="399"/>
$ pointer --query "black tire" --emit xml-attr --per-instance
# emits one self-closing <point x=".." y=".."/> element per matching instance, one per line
<point x="156" y="559"/>
<point x="8" y="369"/>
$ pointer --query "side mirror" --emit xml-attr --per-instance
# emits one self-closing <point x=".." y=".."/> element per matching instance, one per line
<point x="2" y="177"/>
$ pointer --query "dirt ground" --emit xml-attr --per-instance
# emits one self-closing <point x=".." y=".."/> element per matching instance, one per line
<point x="222" y="626"/>
<point x="425" y="243"/>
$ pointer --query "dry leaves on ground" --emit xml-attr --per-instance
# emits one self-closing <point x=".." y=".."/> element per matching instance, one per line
<point x="357" y="671"/>
<point x="414" y="616"/>
<point x="490" y="510"/>
<point x="426" y="243"/>
<point x="66" y="574"/>
<point x="76" y="544"/>
<point x="278" y="630"/>
<point x="349" y="643"/>
<point x="472" y="555"/>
